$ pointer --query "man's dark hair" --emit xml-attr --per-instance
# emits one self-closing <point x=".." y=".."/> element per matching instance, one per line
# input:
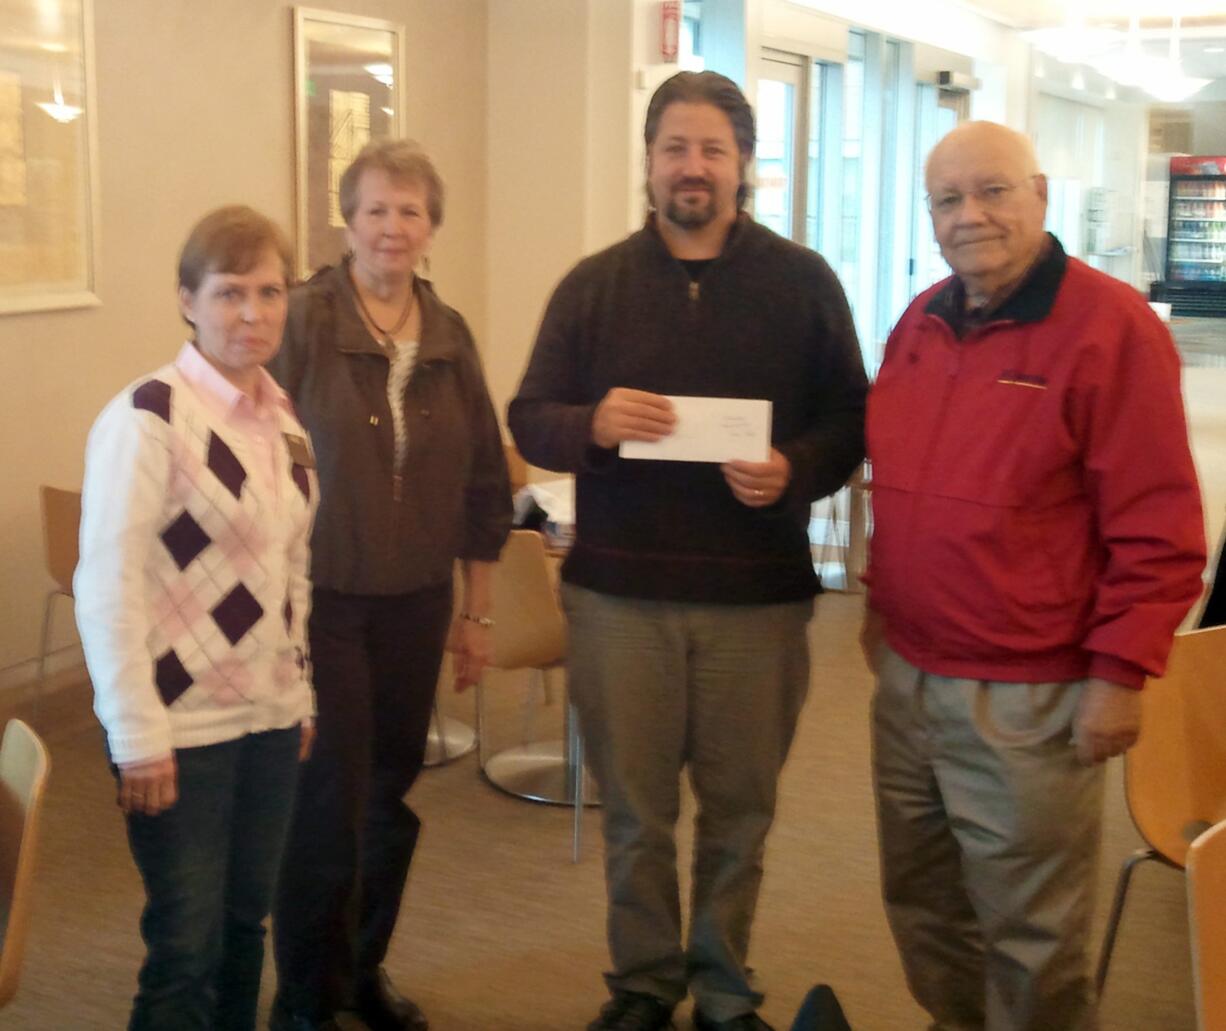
<point x="706" y="88"/>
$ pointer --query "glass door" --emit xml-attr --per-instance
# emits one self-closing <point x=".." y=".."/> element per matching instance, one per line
<point x="779" y="194"/>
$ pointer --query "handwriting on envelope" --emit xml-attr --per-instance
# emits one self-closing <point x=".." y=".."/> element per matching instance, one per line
<point x="711" y="429"/>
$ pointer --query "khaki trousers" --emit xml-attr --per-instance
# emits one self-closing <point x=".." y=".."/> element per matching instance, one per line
<point x="989" y="847"/>
<point x="660" y="686"/>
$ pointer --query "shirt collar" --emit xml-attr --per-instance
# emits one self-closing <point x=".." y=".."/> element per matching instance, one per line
<point x="223" y="396"/>
<point x="1031" y="302"/>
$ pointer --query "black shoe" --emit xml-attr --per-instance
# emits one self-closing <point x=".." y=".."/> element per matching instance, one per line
<point x="633" y="1011"/>
<point x="744" y="1022"/>
<point x="282" y="1019"/>
<point x="382" y="1008"/>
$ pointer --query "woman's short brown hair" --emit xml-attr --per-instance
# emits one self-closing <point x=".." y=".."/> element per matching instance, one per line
<point x="403" y="161"/>
<point x="231" y="239"/>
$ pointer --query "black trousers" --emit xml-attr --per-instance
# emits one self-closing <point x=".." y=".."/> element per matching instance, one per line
<point x="376" y="662"/>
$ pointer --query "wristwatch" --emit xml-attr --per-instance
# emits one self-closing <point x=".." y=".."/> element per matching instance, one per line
<point x="484" y="621"/>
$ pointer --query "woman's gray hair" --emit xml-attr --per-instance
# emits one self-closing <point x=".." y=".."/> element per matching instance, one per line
<point x="403" y="161"/>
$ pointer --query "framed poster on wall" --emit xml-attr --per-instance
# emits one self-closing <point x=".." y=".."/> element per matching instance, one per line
<point x="48" y="165"/>
<point x="348" y="90"/>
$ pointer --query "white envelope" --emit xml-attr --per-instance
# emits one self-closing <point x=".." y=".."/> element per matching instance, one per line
<point x="710" y="429"/>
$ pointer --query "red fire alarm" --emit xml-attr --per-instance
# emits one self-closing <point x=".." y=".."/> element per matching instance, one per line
<point x="670" y="29"/>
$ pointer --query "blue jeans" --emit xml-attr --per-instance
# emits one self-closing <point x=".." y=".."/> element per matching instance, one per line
<point x="209" y="864"/>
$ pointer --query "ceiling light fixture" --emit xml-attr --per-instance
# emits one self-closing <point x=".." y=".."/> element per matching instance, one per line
<point x="57" y="109"/>
<point x="1118" y="57"/>
<point x="381" y="72"/>
<point x="1075" y="43"/>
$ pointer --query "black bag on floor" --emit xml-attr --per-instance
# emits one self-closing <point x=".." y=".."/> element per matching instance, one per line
<point x="1215" y="607"/>
<point x="821" y="1012"/>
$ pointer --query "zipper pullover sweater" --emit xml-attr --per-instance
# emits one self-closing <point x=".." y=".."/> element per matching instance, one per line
<point x="1036" y="515"/>
<point x="768" y="320"/>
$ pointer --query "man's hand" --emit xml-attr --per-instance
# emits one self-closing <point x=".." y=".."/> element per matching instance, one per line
<point x="470" y="646"/>
<point x="1107" y="722"/>
<point x="871" y="637"/>
<point x="149" y="787"/>
<point x="758" y="484"/>
<point x="626" y="414"/>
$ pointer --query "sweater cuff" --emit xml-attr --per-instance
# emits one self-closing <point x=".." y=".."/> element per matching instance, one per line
<point x="1117" y="671"/>
<point x="139" y="747"/>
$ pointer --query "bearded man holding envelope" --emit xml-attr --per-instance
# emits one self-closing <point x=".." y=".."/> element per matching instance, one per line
<point x="728" y="354"/>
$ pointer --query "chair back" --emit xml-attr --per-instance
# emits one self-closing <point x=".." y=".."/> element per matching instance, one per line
<point x="1175" y="775"/>
<point x="24" y="766"/>
<point x="1207" y="921"/>
<point x="517" y="468"/>
<point x="529" y="629"/>
<point x="61" y="533"/>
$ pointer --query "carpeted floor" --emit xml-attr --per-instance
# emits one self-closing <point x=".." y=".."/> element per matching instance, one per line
<point x="502" y="933"/>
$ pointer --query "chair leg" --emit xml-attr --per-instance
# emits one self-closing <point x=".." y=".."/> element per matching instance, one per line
<point x="44" y="644"/>
<point x="479" y="705"/>
<point x="1141" y="855"/>
<point x="576" y="758"/>
<point x="436" y="721"/>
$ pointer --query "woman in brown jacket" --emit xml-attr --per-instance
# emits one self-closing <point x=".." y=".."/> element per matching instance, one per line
<point x="412" y="477"/>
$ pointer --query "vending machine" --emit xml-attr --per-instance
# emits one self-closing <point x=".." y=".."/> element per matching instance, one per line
<point x="1196" y="236"/>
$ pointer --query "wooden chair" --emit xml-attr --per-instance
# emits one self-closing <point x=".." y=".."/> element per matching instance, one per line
<point x="61" y="511"/>
<point x="530" y="633"/>
<point x="24" y="765"/>
<point x="1206" y="912"/>
<point x="1175" y="775"/>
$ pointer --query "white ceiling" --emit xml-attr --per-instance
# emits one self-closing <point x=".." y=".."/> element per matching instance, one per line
<point x="1202" y="32"/>
<point x="1037" y="13"/>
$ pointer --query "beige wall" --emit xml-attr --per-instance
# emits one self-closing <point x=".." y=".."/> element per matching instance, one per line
<point x="565" y="96"/>
<point x="194" y="110"/>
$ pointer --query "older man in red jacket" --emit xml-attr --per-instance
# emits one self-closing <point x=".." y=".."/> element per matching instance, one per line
<point x="1037" y="539"/>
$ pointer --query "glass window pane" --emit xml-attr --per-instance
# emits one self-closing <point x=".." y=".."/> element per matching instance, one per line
<point x="773" y="190"/>
<point x="853" y="127"/>
<point x="813" y="206"/>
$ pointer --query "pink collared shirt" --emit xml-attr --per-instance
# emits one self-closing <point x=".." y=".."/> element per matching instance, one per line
<point x="253" y="417"/>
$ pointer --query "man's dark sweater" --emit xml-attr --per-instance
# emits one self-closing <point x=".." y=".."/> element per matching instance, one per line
<point x="768" y="319"/>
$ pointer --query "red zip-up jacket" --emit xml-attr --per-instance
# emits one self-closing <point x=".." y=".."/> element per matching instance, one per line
<point x="1036" y="514"/>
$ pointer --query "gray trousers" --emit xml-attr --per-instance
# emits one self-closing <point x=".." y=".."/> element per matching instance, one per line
<point x="990" y="835"/>
<point x="660" y="686"/>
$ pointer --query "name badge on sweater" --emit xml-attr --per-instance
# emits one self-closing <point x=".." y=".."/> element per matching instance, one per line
<point x="299" y="451"/>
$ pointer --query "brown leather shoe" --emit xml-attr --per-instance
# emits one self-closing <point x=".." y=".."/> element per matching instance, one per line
<point x="282" y="1019"/>
<point x="382" y="1008"/>
<point x="633" y="1011"/>
<point x="742" y="1022"/>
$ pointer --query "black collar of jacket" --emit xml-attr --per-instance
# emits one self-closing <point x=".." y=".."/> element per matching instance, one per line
<point x="1031" y="302"/>
<point x="741" y="231"/>
<point x="353" y="336"/>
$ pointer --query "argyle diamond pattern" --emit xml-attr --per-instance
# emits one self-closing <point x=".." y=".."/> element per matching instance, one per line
<point x="225" y="465"/>
<point x="153" y="396"/>
<point x="185" y="539"/>
<point x="237" y="613"/>
<point x="171" y="678"/>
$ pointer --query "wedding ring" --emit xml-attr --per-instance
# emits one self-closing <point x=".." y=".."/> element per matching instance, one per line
<point x="758" y="492"/>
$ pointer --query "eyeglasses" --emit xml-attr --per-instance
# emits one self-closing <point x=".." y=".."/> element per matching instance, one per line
<point x="988" y="197"/>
